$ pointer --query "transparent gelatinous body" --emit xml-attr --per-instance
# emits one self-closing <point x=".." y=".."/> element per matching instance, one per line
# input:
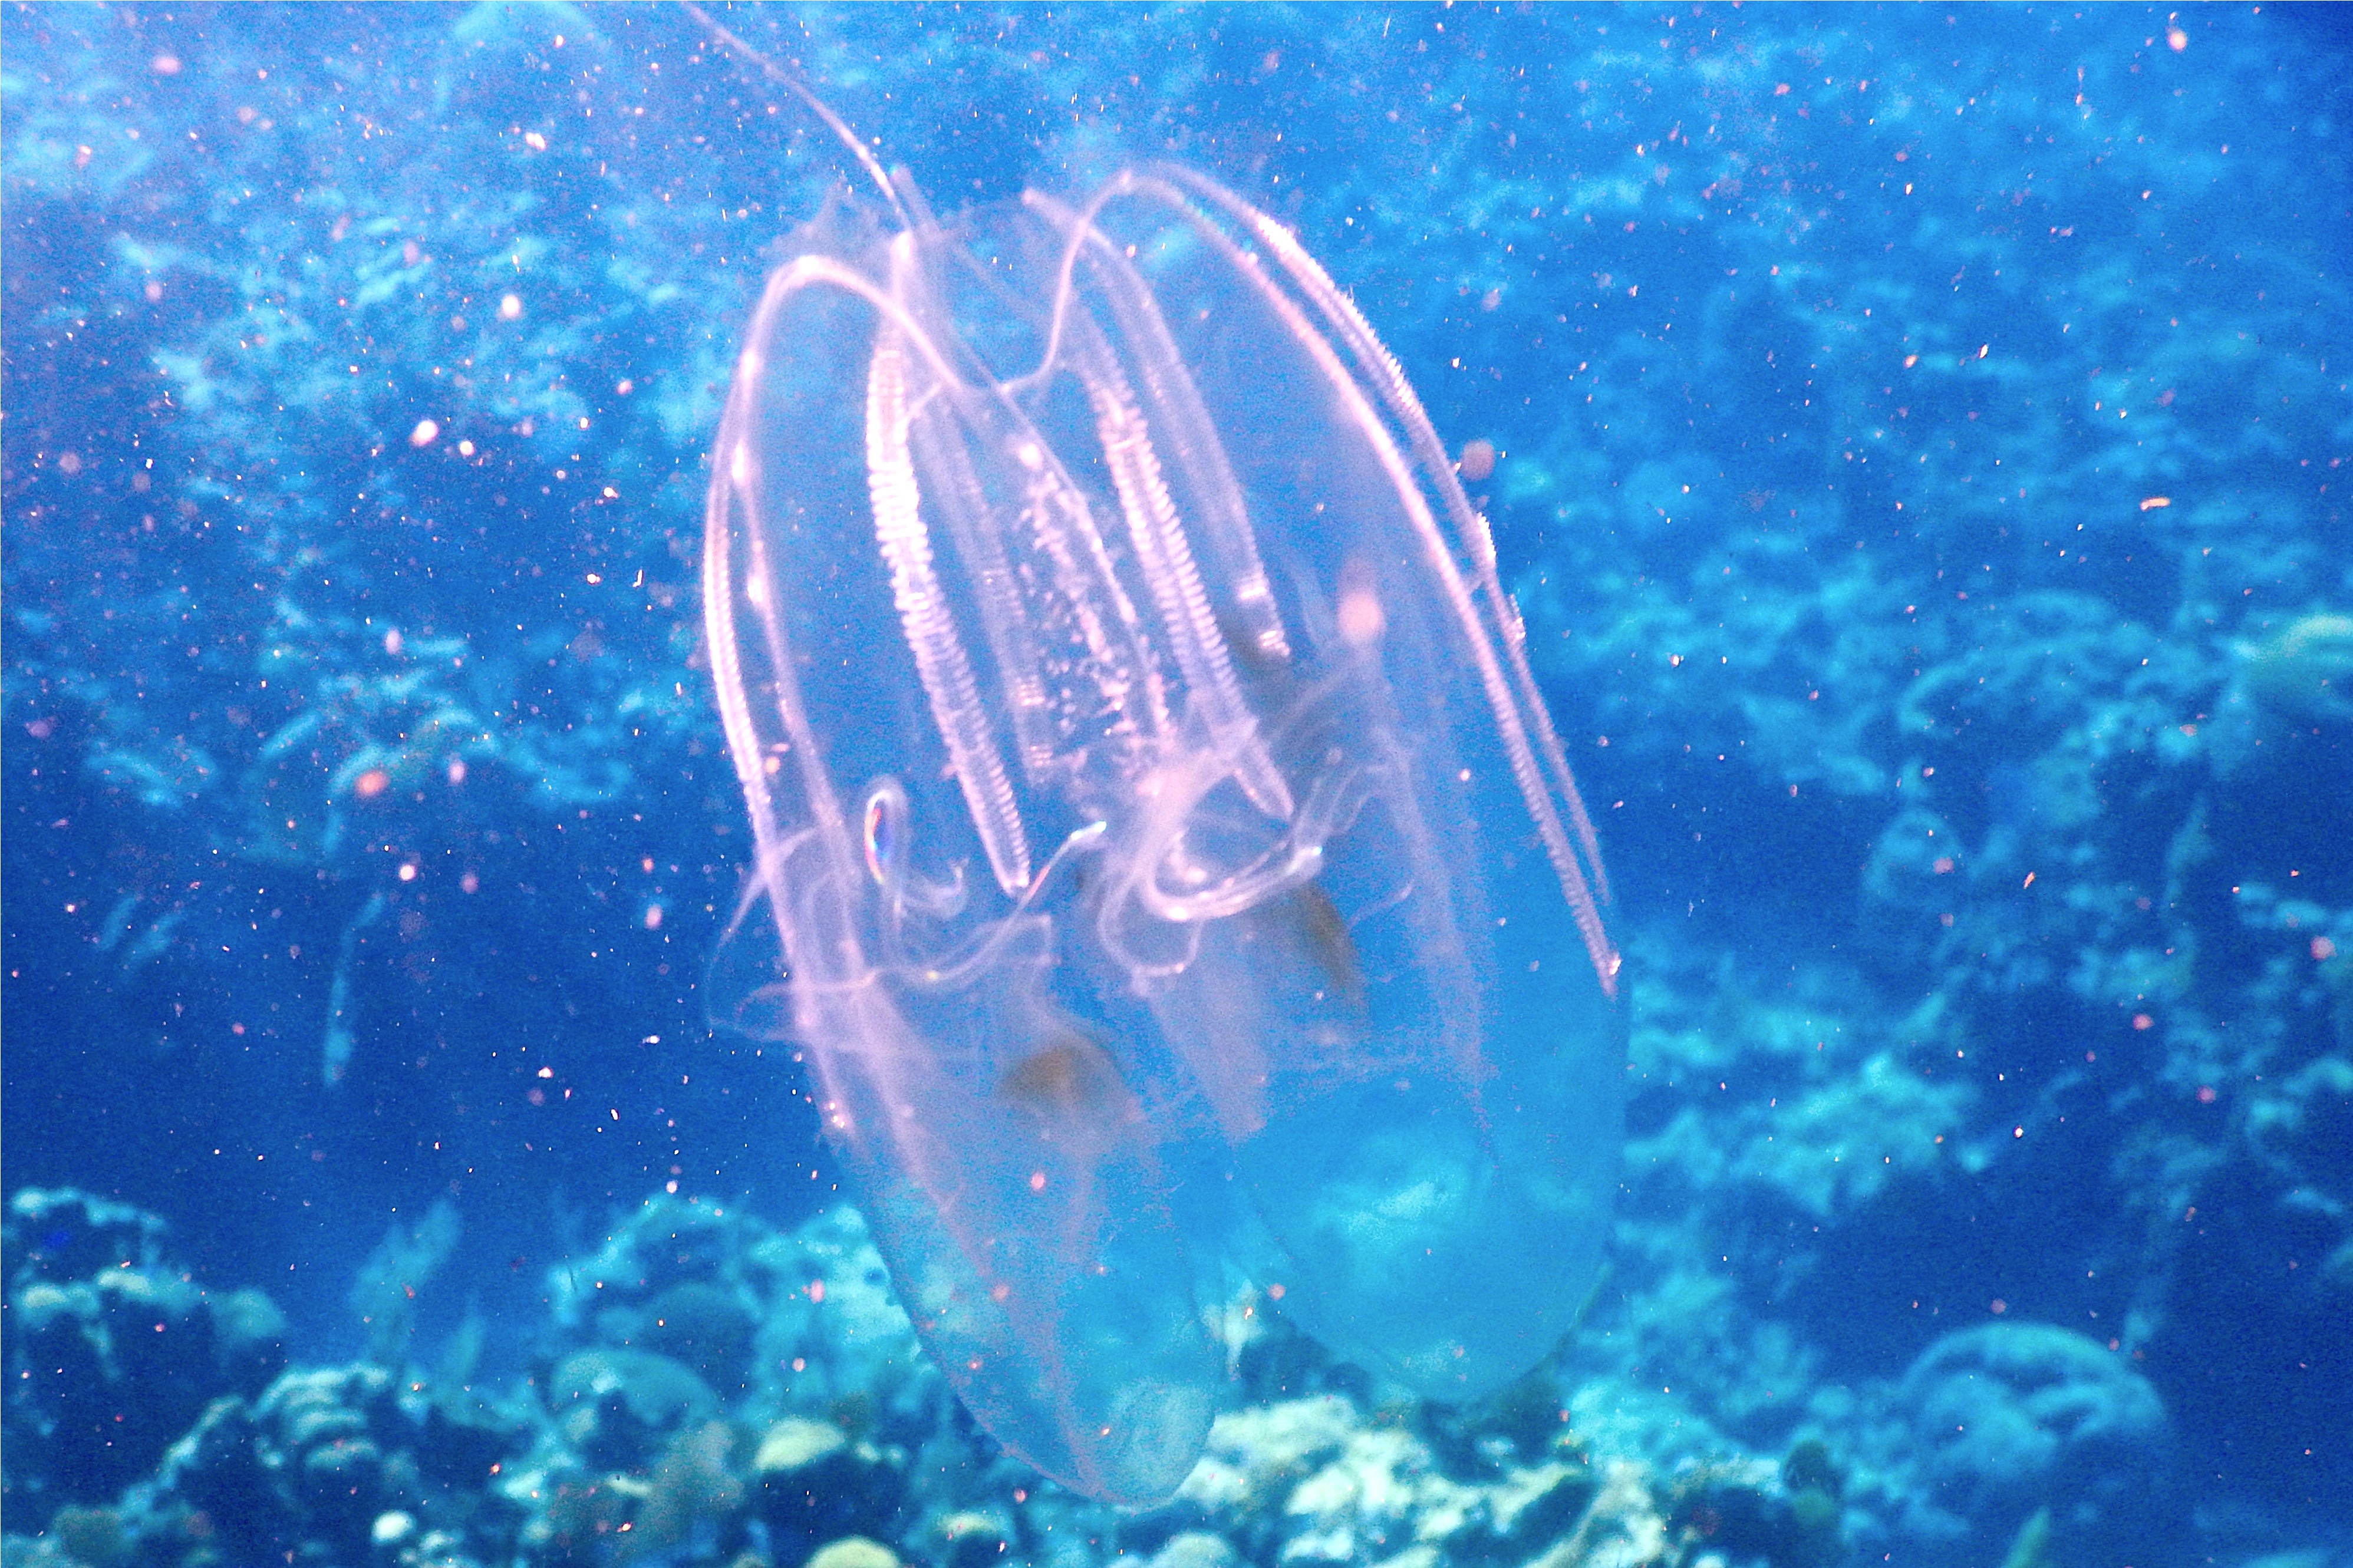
<point x="1176" y="879"/>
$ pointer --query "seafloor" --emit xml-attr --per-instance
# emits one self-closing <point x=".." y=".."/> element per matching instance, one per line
<point x="1921" y="476"/>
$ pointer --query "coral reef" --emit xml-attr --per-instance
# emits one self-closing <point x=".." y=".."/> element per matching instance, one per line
<point x="2023" y="1426"/>
<point x="330" y="1464"/>
<point x="630" y="1454"/>
<point x="153" y="1412"/>
<point x="111" y="1352"/>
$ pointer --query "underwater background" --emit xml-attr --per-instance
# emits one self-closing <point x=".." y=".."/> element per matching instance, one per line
<point x="1917" y="450"/>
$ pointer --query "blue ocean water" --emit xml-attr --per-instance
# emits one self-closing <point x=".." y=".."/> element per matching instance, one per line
<point x="1913" y="438"/>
